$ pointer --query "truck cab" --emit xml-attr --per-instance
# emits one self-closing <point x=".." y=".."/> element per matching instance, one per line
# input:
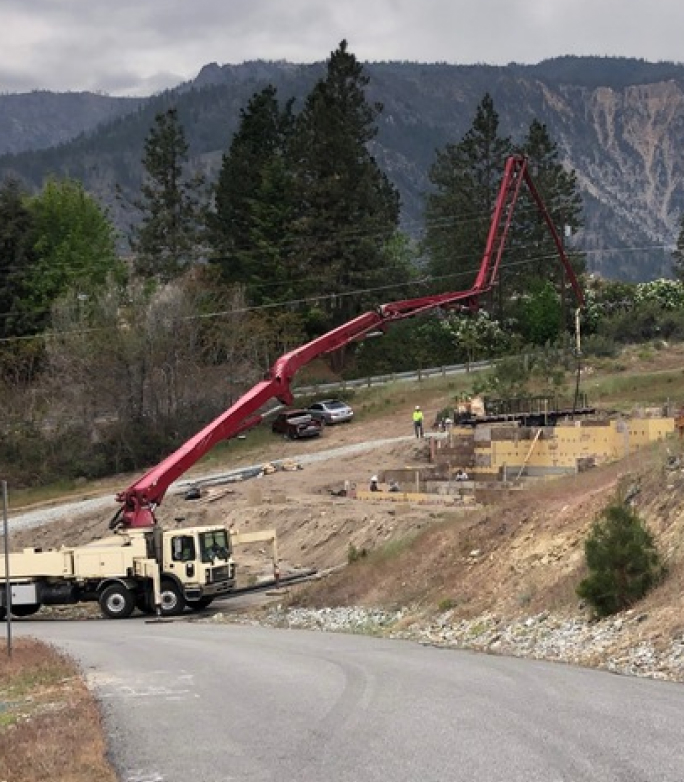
<point x="197" y="566"/>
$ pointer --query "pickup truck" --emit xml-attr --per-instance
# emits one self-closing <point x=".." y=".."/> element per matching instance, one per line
<point x="295" y="424"/>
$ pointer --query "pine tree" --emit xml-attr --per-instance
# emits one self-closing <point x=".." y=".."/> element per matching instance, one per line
<point x="559" y="190"/>
<point x="16" y="259"/>
<point x="252" y="215"/>
<point x="347" y="209"/>
<point x="623" y="561"/>
<point x="466" y="178"/>
<point x="169" y="237"/>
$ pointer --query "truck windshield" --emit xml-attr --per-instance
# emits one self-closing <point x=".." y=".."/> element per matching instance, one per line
<point x="214" y="545"/>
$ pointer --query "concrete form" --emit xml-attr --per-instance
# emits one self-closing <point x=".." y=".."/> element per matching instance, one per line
<point x="508" y="452"/>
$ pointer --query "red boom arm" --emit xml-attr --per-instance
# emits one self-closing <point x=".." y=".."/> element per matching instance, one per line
<point x="140" y="500"/>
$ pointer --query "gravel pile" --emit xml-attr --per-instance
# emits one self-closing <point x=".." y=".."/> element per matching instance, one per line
<point x="605" y="644"/>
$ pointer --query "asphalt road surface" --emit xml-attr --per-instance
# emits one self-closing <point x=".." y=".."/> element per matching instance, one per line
<point x="215" y="703"/>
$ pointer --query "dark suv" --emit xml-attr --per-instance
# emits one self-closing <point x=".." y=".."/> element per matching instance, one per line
<point x="294" y="424"/>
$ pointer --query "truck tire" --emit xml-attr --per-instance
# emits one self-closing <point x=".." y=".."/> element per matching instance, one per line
<point x="172" y="599"/>
<point x="117" y="602"/>
<point x="144" y="603"/>
<point x="26" y="610"/>
<point x="201" y="604"/>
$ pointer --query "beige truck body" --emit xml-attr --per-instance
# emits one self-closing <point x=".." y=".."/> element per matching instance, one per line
<point x="152" y="569"/>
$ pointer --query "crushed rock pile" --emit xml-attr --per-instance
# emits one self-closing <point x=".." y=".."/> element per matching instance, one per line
<point x="607" y="644"/>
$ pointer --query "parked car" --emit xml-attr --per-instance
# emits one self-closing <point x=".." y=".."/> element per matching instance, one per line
<point x="296" y="423"/>
<point x="332" y="411"/>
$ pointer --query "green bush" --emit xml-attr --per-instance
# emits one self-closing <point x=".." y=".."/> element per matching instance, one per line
<point x="623" y="561"/>
<point x="354" y="554"/>
<point x="600" y="345"/>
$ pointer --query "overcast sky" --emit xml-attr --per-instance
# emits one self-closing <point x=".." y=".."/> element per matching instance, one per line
<point x="137" y="47"/>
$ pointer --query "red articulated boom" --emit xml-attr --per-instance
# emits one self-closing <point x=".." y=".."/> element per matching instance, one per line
<point x="141" y="498"/>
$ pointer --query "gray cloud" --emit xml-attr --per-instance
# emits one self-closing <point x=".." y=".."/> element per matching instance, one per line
<point x="139" y="47"/>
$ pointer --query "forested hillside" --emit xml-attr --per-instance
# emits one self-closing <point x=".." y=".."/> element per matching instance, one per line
<point x="617" y="123"/>
<point x="39" y="119"/>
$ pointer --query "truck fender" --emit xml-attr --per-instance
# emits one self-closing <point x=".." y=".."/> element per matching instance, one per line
<point x="166" y="576"/>
<point x="130" y="583"/>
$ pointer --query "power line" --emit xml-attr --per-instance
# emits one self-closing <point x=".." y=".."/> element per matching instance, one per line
<point x="427" y="280"/>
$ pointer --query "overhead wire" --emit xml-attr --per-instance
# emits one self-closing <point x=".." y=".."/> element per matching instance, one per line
<point x="425" y="280"/>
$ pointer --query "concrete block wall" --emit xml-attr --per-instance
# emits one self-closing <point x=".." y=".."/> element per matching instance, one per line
<point x="565" y="447"/>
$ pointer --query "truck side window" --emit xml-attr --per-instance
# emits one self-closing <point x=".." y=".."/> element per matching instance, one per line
<point x="183" y="548"/>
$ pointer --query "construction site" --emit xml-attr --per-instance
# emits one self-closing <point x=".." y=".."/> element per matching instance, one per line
<point x="490" y="453"/>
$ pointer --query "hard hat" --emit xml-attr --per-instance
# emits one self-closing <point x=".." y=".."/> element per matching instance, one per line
<point x="417" y="407"/>
<point x="374" y="478"/>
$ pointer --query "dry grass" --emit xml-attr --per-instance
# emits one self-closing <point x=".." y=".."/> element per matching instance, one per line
<point x="50" y="726"/>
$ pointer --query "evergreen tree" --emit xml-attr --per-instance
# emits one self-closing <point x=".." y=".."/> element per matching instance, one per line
<point x="252" y="214"/>
<point x="347" y="209"/>
<point x="16" y="258"/>
<point x="678" y="254"/>
<point x="466" y="178"/>
<point x="623" y="561"/>
<point x="560" y="193"/>
<point x="169" y="237"/>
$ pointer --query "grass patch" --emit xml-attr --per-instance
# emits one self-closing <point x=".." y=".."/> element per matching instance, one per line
<point x="50" y="726"/>
<point x="391" y="550"/>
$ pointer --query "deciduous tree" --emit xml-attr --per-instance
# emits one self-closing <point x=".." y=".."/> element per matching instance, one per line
<point x="74" y="246"/>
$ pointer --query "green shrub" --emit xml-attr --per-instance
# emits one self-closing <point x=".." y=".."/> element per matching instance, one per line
<point x="623" y="561"/>
<point x="355" y="554"/>
<point x="600" y="345"/>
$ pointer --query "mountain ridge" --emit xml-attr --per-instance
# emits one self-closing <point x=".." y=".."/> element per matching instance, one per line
<point x="617" y="122"/>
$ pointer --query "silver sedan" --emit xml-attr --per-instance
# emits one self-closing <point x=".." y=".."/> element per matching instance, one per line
<point x="332" y="411"/>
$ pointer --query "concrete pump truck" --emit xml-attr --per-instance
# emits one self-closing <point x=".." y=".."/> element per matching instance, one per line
<point x="141" y="564"/>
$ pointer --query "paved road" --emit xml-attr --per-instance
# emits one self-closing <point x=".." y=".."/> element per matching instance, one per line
<point x="185" y="701"/>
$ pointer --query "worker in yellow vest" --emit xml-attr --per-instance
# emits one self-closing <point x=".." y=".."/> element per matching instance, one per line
<point x="418" y="421"/>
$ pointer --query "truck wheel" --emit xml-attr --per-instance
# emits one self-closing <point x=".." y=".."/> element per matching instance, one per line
<point x="117" y="602"/>
<point x="172" y="600"/>
<point x="201" y="604"/>
<point x="26" y="610"/>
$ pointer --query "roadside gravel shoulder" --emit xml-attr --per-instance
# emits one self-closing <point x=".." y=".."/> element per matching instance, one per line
<point x="608" y="644"/>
